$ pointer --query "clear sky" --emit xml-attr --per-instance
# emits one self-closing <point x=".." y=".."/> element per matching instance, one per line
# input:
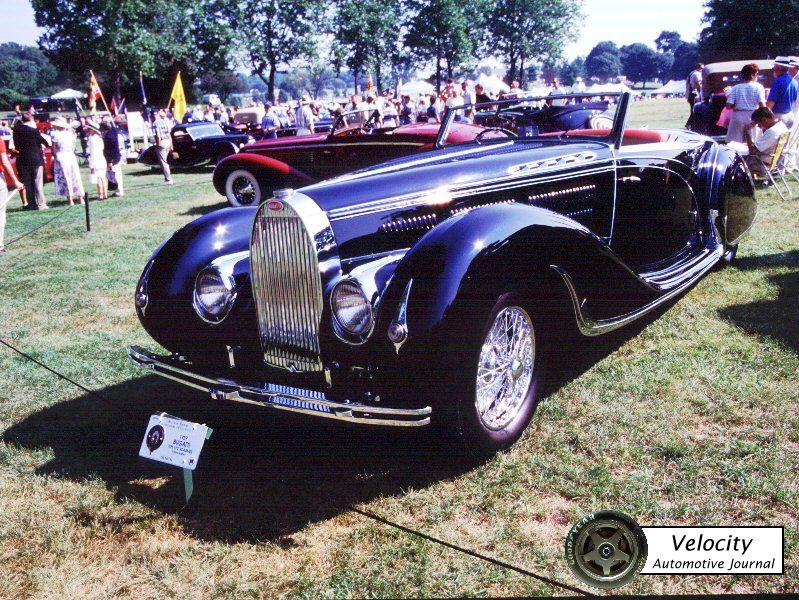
<point x="621" y="21"/>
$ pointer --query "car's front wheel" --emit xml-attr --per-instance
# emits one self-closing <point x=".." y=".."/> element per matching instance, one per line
<point x="243" y="189"/>
<point x="498" y="395"/>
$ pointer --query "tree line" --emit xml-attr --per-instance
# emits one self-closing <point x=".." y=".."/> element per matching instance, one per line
<point x="307" y="44"/>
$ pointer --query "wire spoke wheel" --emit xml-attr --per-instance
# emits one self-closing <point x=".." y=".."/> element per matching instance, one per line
<point x="505" y="368"/>
<point x="243" y="189"/>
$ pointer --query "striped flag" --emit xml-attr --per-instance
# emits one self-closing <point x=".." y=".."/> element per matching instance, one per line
<point x="94" y="92"/>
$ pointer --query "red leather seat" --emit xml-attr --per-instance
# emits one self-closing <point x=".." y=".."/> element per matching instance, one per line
<point x="632" y="137"/>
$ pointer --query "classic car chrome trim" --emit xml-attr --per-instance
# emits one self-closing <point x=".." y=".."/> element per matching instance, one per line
<point x="280" y="397"/>
<point x="432" y="196"/>
<point x="398" y="328"/>
<point x="364" y="275"/>
<point x="591" y="327"/>
<point x="224" y="265"/>
<point x="293" y="258"/>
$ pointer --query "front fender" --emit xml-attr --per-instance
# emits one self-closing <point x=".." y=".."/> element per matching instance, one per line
<point x="459" y="269"/>
<point x="148" y="157"/>
<point x="278" y="173"/>
<point x="169" y="316"/>
<point x="731" y="194"/>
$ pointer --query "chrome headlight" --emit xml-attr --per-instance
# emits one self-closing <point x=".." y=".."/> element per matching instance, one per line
<point x="214" y="294"/>
<point x="353" y="317"/>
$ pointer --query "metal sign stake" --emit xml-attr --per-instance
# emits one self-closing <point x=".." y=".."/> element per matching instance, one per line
<point x="188" y="477"/>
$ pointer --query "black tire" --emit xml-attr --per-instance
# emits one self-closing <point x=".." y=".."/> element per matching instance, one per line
<point x="471" y="426"/>
<point x="223" y="153"/>
<point x="606" y="549"/>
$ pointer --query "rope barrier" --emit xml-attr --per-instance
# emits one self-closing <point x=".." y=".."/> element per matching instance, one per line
<point x="365" y="513"/>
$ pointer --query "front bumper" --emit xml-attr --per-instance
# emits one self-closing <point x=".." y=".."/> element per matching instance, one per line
<point x="282" y="397"/>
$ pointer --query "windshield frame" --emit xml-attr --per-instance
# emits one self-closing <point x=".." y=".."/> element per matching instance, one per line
<point x="613" y="138"/>
<point x="190" y="131"/>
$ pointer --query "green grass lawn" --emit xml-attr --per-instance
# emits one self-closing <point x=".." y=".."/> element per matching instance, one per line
<point x="690" y="420"/>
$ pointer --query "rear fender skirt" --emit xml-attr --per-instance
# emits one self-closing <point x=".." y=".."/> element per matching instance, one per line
<point x="263" y="166"/>
<point x="730" y="193"/>
<point x="462" y="266"/>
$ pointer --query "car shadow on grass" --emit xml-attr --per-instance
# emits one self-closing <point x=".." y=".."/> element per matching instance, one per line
<point x="777" y="319"/>
<point x="264" y="474"/>
<point x="149" y="171"/>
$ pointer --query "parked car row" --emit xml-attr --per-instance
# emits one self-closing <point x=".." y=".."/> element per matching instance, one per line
<point x="434" y="287"/>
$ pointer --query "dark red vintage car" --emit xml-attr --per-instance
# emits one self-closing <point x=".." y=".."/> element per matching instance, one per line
<point x="48" y="164"/>
<point x="356" y="141"/>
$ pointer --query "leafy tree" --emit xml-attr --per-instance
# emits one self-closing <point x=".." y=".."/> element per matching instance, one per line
<point x="640" y="62"/>
<point x="26" y="70"/>
<point x="668" y="41"/>
<point x="604" y="61"/>
<point x="735" y="31"/>
<point x="223" y="83"/>
<point x="274" y="33"/>
<point x="9" y="97"/>
<point x="119" y="38"/>
<point x="524" y="31"/>
<point x="443" y="31"/>
<point x="368" y="36"/>
<point x="569" y="72"/>
<point x="685" y="58"/>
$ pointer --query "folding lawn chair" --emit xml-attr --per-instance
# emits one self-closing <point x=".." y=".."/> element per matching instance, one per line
<point x="776" y="166"/>
<point x="791" y="154"/>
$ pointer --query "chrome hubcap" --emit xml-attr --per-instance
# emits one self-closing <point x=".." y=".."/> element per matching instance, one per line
<point x="505" y="368"/>
<point x="243" y="190"/>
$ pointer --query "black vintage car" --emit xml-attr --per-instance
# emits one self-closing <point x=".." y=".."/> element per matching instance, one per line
<point x="428" y="289"/>
<point x="197" y="143"/>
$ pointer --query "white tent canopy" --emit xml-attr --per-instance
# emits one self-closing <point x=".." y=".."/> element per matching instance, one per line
<point x="68" y="94"/>
<point x="492" y="84"/>
<point x="610" y="88"/>
<point x="414" y="88"/>
<point x="672" y="87"/>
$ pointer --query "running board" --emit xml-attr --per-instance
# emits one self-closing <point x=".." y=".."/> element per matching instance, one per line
<point x="590" y="327"/>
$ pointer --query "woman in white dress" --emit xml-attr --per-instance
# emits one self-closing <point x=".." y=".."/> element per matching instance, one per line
<point x="66" y="171"/>
<point x="97" y="162"/>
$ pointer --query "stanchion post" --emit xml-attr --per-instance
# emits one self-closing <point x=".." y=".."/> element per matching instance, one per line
<point x="88" y="216"/>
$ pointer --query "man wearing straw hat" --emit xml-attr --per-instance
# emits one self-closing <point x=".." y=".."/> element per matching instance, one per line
<point x="784" y="91"/>
<point x="304" y="116"/>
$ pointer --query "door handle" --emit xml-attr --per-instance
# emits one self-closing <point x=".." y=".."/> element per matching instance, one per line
<point x="630" y="179"/>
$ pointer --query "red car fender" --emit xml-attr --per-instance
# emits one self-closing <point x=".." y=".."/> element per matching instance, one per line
<point x="259" y="165"/>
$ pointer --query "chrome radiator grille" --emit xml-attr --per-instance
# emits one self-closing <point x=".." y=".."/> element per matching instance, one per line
<point x="287" y="288"/>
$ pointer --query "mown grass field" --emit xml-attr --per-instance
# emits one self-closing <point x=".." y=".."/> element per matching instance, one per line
<point x="689" y="420"/>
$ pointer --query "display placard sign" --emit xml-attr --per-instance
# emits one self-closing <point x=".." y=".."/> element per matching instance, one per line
<point x="173" y="441"/>
<point x="136" y="129"/>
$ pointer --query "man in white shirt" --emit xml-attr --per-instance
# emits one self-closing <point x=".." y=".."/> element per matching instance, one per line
<point x="760" y="148"/>
<point x="468" y="98"/>
<point x="305" y="120"/>
<point x="693" y="90"/>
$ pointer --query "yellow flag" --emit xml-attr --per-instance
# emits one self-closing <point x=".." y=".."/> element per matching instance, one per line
<point x="179" y="98"/>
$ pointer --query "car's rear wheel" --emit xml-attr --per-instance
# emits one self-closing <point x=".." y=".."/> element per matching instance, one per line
<point x="243" y="189"/>
<point x="497" y="395"/>
<point x="224" y="153"/>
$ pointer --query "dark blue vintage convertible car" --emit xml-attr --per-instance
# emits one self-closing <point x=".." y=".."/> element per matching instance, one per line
<point x="428" y="289"/>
